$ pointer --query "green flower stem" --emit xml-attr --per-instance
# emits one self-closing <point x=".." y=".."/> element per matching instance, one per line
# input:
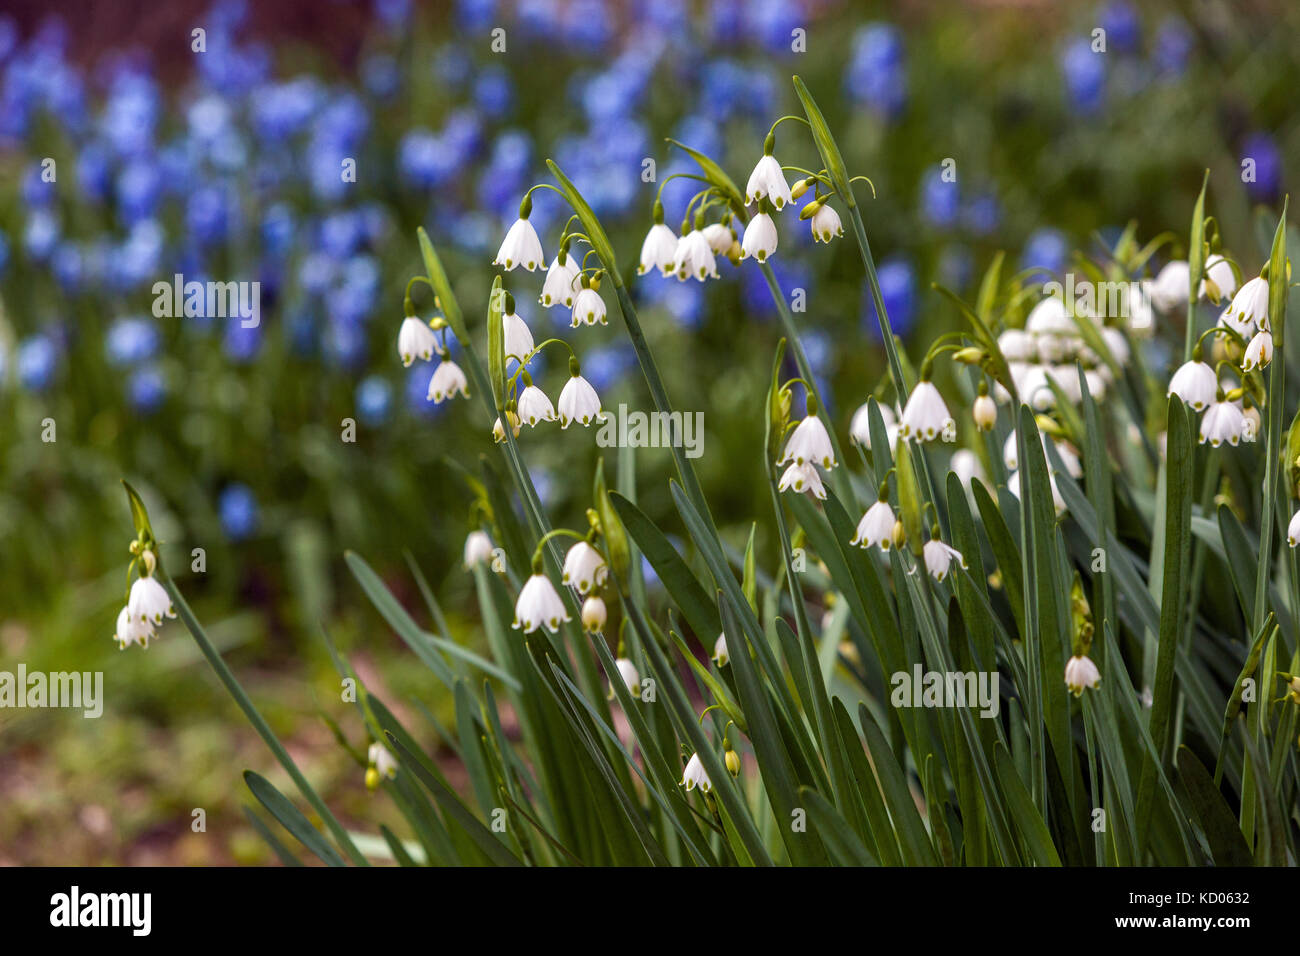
<point x="840" y="476"/>
<point x="255" y="718"/>
<point x="1273" y="451"/>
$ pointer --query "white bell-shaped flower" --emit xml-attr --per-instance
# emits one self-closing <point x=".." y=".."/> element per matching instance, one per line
<point x="447" y="380"/>
<point x="1195" y="383"/>
<point x="521" y="247"/>
<point x="415" y="340"/>
<point x="760" y="238"/>
<point x="539" y="605"/>
<point x="659" y="250"/>
<point x="578" y="401"/>
<point x="925" y="417"/>
<point x="584" y="568"/>
<point x="767" y="181"/>
<point x="1081" y="672"/>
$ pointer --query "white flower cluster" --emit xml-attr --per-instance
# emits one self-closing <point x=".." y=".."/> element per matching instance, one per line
<point x="539" y="603"/>
<point x="146" y="606"/>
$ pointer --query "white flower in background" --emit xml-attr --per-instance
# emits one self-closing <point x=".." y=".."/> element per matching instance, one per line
<point x="499" y="432"/>
<point x="1293" y="530"/>
<point x="1017" y="345"/>
<point x="694" y="257"/>
<point x="1249" y="306"/>
<point x="809" y="442"/>
<point x="578" y="402"/>
<point x="446" y="381"/>
<point x="534" y="406"/>
<point x="584" y="568"/>
<point x="1195" y="383"/>
<point x="148" y="601"/>
<point x="1066" y="378"/>
<point x="478" y="549"/>
<point x="1222" y="421"/>
<point x="521" y="247"/>
<point x="926" y="416"/>
<point x="1054" y="347"/>
<point x="985" y="412"/>
<point x="628" y="672"/>
<point x="719" y="237"/>
<point x="1081" y="672"/>
<point x="415" y="340"/>
<point x="131" y="631"/>
<point x="720" y="655"/>
<point x="1049" y="317"/>
<point x="860" y="426"/>
<point x="539" y="604"/>
<point x="594" y="614"/>
<point x="1250" y="424"/>
<point x="760" y="238"/>
<point x="965" y="464"/>
<point x="1013" y="486"/>
<point x="768" y="181"/>
<point x="1034" y="388"/>
<point x="383" y="760"/>
<point x="518" y="340"/>
<point x="1219" y="271"/>
<point x="588" y="308"/>
<point x="939" y="558"/>
<point x="1259" y="352"/>
<point x="1118" y="345"/>
<point x="659" y="250"/>
<point x="694" y="776"/>
<point x="826" y="224"/>
<point x="876" y="529"/>
<point x="1170" y="287"/>
<point x="561" y="283"/>
<point x="803" y="478"/>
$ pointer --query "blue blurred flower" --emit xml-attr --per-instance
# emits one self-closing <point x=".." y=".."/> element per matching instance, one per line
<point x="493" y="92"/>
<point x="41" y="235"/>
<point x="279" y="110"/>
<point x="374" y="400"/>
<point x="476" y="15"/>
<point x="381" y="76"/>
<point x="1122" y="25"/>
<point x="241" y="343"/>
<point x="877" y="73"/>
<point x="138" y="189"/>
<point x="1173" y="48"/>
<point x="1267" y="184"/>
<point x="146" y="389"/>
<point x="982" y="214"/>
<point x="278" y="230"/>
<point x="238" y="510"/>
<point x="130" y="341"/>
<point x="1085" y="76"/>
<point x="37" y="359"/>
<point x="940" y="198"/>
<point x="898" y="290"/>
<point x="207" y="215"/>
<point x="1046" y="249"/>
<point x="67" y="266"/>
<point x="956" y="266"/>
<point x="605" y="365"/>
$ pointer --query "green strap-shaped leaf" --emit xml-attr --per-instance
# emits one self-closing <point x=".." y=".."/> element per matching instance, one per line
<point x="291" y="818"/>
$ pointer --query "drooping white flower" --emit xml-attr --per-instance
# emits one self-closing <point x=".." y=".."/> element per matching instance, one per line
<point x="1081" y="672"/>
<point x="876" y="529"/>
<point x="1035" y="391"/>
<point x="1293" y="530"/>
<point x="1049" y="317"/>
<point x="939" y="558"/>
<point x="1250" y="424"/>
<point x="1219" y="271"/>
<point x="584" y="568"/>
<point x="926" y="416"/>
<point x="561" y="283"/>
<point x="720" y="655"/>
<point x="1017" y="345"/>
<point x="694" y="776"/>
<point x="694" y="257"/>
<point x="860" y="426"/>
<point x="478" y="549"/>
<point x="148" y="601"/>
<point x="446" y="381"/>
<point x="521" y="247"/>
<point x="809" y="442"/>
<point x="659" y="250"/>
<point x="1222" y="421"/>
<point x="985" y="412"/>
<point x="965" y="464"/>
<point x="719" y="237"/>
<point x="499" y="432"/>
<point x="1230" y="320"/>
<point x="539" y="604"/>
<point x="132" y="630"/>
<point x="1195" y="383"/>
<point x="534" y="406"/>
<point x="1170" y="287"/>
<point x="628" y="672"/>
<point x="1249" y="306"/>
<point x="1259" y="352"/>
<point x="518" y="340"/>
<point x="415" y="340"/>
<point x="826" y="224"/>
<point x="760" y="238"/>
<point x="803" y="478"/>
<point x="578" y="402"/>
<point x="1013" y="486"/>
<point x="594" y="614"/>
<point x="588" y="307"/>
<point x="768" y="181"/>
<point x="382" y="759"/>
